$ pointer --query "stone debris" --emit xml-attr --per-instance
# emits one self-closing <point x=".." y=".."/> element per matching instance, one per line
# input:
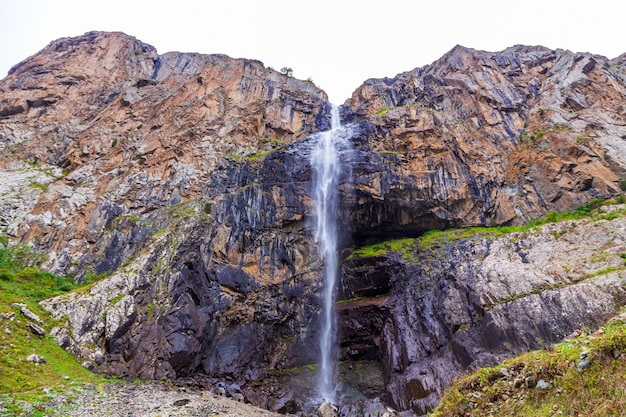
<point x="36" y="330"/>
<point x="36" y="358"/>
<point x="543" y="385"/>
<point x="8" y="316"/>
<point x="585" y="362"/>
<point x="327" y="410"/>
<point x="149" y="399"/>
<point x="30" y="315"/>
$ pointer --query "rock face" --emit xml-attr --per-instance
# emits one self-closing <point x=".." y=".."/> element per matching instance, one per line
<point x="133" y="132"/>
<point x="467" y="302"/>
<point x="480" y="138"/>
<point x="182" y="181"/>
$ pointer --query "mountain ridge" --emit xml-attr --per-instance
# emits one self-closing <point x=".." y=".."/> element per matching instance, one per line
<point x="182" y="181"/>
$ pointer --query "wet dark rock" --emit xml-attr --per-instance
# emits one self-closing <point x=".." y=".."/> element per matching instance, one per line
<point x="187" y="184"/>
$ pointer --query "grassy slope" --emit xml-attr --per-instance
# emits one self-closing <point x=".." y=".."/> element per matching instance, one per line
<point x="510" y="389"/>
<point x="22" y="382"/>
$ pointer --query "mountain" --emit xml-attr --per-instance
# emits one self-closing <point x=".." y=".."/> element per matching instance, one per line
<point x="180" y="185"/>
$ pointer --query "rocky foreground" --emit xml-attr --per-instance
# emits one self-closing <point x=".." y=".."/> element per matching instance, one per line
<point x="146" y="400"/>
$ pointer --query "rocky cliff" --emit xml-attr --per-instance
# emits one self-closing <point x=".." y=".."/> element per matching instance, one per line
<point x="471" y="298"/>
<point x="181" y="183"/>
<point x="480" y="138"/>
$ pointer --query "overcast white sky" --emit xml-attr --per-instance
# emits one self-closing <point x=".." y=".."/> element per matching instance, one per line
<point x="338" y="43"/>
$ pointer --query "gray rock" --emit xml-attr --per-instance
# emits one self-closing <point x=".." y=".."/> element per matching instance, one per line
<point x="36" y="330"/>
<point x="616" y="353"/>
<point x="30" y="315"/>
<point x="543" y="385"/>
<point x="233" y="389"/>
<point x="36" y="358"/>
<point x="62" y="336"/>
<point x="583" y="364"/>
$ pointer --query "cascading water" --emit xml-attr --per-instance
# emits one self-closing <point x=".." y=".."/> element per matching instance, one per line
<point x="327" y="169"/>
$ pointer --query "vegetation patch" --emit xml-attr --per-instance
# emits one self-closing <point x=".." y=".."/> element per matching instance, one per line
<point x="406" y="248"/>
<point x="435" y="239"/>
<point x="21" y="280"/>
<point x="383" y="111"/>
<point x="27" y="385"/>
<point x="585" y="375"/>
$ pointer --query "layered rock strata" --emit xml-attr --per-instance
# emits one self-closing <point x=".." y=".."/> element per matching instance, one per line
<point x="458" y="303"/>
<point x="181" y="182"/>
<point x="481" y="138"/>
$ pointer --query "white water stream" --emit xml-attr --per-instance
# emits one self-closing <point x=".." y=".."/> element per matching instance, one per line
<point x="327" y="169"/>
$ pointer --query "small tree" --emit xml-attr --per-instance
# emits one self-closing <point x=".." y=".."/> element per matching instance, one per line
<point x="287" y="71"/>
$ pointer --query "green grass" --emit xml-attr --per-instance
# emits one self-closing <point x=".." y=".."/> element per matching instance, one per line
<point x="22" y="382"/>
<point x="21" y="280"/>
<point x="274" y="141"/>
<point x="599" y="389"/>
<point x="383" y="111"/>
<point x="38" y="186"/>
<point x="407" y="247"/>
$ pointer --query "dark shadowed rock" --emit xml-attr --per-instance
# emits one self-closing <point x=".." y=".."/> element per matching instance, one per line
<point x="183" y="181"/>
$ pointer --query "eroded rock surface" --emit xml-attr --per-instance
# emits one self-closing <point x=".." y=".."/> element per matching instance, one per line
<point x="135" y="132"/>
<point x="482" y="138"/>
<point x="182" y="182"/>
<point x="463" y="303"/>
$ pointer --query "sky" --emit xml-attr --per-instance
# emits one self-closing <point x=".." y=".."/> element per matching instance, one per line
<point x="337" y="43"/>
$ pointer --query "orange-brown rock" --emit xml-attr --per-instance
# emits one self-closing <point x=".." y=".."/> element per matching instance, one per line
<point x="481" y="138"/>
<point x="135" y="131"/>
<point x="184" y="180"/>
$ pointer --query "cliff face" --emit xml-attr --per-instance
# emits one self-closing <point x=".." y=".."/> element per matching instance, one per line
<point x="184" y="179"/>
<point x="148" y="168"/>
<point x="480" y="138"/>
<point x="470" y="299"/>
<point x="133" y="132"/>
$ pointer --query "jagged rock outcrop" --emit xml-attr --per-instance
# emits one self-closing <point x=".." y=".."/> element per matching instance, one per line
<point x="185" y="180"/>
<point x="482" y="138"/>
<point x="466" y="302"/>
<point x="135" y="132"/>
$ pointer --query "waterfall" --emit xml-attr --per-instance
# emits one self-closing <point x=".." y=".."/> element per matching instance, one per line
<point x="327" y="169"/>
